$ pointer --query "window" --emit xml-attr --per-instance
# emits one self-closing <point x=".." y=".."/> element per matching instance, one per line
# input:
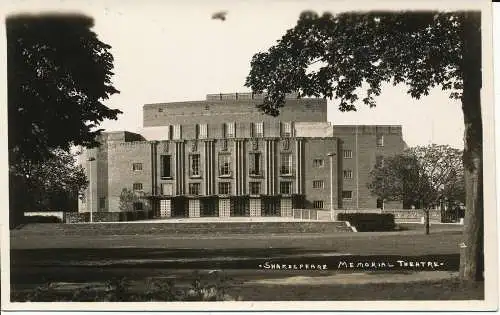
<point x="224" y="188"/>
<point x="286" y="129"/>
<point x="194" y="161"/>
<point x="286" y="188"/>
<point x="194" y="188"/>
<point x="318" y="204"/>
<point x="380" y="140"/>
<point x="286" y="164"/>
<point x="229" y="130"/>
<point x="137" y="186"/>
<point x="166" y="169"/>
<point x="255" y="164"/>
<point x="137" y="166"/>
<point x="318" y="163"/>
<point x="347" y="154"/>
<point x="347" y="174"/>
<point x="167" y="189"/>
<point x="202" y="131"/>
<point x="177" y="132"/>
<point x="138" y="206"/>
<point x="102" y="202"/>
<point x="254" y="188"/>
<point x="347" y="194"/>
<point x="170" y="132"/>
<point x="318" y="184"/>
<point x="224" y="165"/>
<point x="257" y="130"/>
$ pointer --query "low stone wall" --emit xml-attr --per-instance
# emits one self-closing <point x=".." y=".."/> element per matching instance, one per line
<point x="80" y="217"/>
<point x="58" y="214"/>
<point x="401" y="215"/>
<point x="312" y="214"/>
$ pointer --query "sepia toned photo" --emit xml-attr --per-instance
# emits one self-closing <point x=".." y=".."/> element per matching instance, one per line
<point x="237" y="155"/>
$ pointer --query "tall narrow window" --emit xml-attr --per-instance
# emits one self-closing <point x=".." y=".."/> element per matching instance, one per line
<point x="194" y="189"/>
<point x="229" y="130"/>
<point x="225" y="164"/>
<point x="347" y="194"/>
<point x="286" y="164"/>
<point x="194" y="166"/>
<point x="286" y="129"/>
<point x="202" y="131"/>
<point x="166" y="170"/>
<point x="286" y="188"/>
<point x="347" y="174"/>
<point x="137" y="166"/>
<point x="255" y="164"/>
<point x="257" y="130"/>
<point x="224" y="188"/>
<point x="177" y="132"/>
<point x="318" y="184"/>
<point x="318" y="163"/>
<point x="380" y="140"/>
<point x="318" y="204"/>
<point x="347" y="154"/>
<point x="102" y="202"/>
<point x="170" y="132"/>
<point x="254" y="188"/>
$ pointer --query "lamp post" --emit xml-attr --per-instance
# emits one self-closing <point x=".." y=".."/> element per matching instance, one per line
<point x="90" y="159"/>
<point x="332" y="210"/>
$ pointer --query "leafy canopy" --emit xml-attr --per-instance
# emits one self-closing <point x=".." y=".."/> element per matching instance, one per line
<point x="59" y="73"/>
<point x="334" y="56"/>
<point x="54" y="184"/>
<point x="420" y="175"/>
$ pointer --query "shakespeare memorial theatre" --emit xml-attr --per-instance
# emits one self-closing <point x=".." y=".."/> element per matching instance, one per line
<point x="222" y="157"/>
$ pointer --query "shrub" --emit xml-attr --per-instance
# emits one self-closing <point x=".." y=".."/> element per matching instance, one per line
<point x="41" y="219"/>
<point x="369" y="222"/>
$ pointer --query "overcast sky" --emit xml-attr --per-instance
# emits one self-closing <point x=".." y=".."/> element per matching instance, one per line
<point x="169" y="51"/>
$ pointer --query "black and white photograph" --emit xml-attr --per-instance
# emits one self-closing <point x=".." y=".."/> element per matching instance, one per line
<point x="248" y="155"/>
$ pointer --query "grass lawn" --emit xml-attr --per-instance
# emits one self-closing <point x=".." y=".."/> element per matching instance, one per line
<point x="41" y="258"/>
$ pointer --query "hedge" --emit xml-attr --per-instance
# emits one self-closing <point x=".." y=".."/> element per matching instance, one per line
<point x="369" y="222"/>
<point x="41" y="219"/>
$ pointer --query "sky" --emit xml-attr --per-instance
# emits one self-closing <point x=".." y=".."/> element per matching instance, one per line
<point x="167" y="51"/>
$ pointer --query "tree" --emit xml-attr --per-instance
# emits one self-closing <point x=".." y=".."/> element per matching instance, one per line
<point x="443" y="167"/>
<point x="58" y="75"/>
<point x="127" y="200"/>
<point x="354" y="50"/>
<point x="423" y="175"/>
<point x="54" y="184"/>
<point x="400" y="177"/>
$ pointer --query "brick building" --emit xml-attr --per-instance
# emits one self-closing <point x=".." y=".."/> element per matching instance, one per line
<point x="222" y="157"/>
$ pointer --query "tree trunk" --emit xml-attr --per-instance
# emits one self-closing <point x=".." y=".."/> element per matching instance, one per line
<point x="427" y="223"/>
<point x="472" y="259"/>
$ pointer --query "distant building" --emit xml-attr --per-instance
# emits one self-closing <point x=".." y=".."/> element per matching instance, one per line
<point x="223" y="157"/>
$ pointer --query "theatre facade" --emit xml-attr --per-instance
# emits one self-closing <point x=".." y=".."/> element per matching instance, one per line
<point x="222" y="157"/>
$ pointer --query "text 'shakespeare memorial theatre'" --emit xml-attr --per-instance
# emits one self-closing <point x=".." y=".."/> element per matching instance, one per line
<point x="223" y="157"/>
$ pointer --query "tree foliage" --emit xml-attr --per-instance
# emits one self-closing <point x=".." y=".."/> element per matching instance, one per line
<point x="442" y="166"/>
<point x="423" y="176"/>
<point x="54" y="184"/>
<point x="353" y="50"/>
<point x="127" y="200"/>
<point x="59" y="73"/>
<point x="337" y="56"/>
